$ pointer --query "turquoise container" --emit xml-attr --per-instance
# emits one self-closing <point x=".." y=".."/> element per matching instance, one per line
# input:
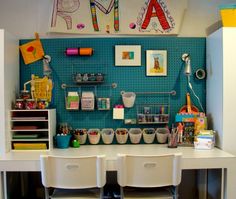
<point x="62" y="141"/>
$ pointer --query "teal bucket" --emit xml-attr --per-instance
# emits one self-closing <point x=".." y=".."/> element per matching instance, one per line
<point x="62" y="141"/>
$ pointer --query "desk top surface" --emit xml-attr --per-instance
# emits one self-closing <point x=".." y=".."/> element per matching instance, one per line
<point x="191" y="158"/>
<point x="112" y="150"/>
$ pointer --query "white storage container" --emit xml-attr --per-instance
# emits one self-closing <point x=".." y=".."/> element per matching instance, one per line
<point x="121" y="135"/>
<point x="148" y="135"/>
<point x="162" y="135"/>
<point x="135" y="135"/>
<point x="107" y="136"/>
<point x="87" y="101"/>
<point x="94" y="136"/>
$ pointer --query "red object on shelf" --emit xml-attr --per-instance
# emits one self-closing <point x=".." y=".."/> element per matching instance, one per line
<point x="24" y="127"/>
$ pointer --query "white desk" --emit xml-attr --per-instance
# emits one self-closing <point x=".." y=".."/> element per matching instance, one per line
<point x="191" y="159"/>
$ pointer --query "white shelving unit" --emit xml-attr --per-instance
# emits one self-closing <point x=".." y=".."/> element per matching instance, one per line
<point x="221" y="96"/>
<point x="32" y="129"/>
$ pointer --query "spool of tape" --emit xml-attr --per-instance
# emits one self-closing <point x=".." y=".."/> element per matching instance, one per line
<point x="85" y="51"/>
<point x="79" y="51"/>
<point x="200" y="74"/>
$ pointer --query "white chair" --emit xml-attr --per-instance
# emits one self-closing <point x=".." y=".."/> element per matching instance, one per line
<point x="153" y="176"/>
<point x="73" y="177"/>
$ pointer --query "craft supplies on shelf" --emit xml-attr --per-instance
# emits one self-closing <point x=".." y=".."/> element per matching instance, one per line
<point x="103" y="103"/>
<point x="19" y="104"/>
<point x="153" y="113"/>
<point x="32" y="129"/>
<point x="205" y="140"/>
<point x="72" y="101"/>
<point x="94" y="136"/>
<point x="121" y="135"/>
<point x="151" y="107"/>
<point x="81" y="135"/>
<point x="87" y="101"/>
<point x="107" y="136"/>
<point x="162" y="135"/>
<point x="135" y="135"/>
<point x="148" y="135"/>
<point x="173" y="138"/>
<point x="30" y="104"/>
<point x="88" y="78"/>
<point x="90" y="96"/>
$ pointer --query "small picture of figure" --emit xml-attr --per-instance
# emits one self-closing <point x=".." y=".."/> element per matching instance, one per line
<point x="156" y="63"/>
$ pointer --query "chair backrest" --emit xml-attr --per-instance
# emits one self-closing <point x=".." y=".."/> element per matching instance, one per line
<point x="73" y="172"/>
<point x="149" y="171"/>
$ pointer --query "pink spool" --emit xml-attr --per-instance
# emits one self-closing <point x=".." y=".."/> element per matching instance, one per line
<point x="72" y="51"/>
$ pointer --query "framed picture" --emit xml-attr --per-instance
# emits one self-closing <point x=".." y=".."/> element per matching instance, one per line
<point x="128" y="55"/>
<point x="156" y="62"/>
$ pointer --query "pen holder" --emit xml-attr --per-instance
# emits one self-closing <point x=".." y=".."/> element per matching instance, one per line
<point x="62" y="141"/>
<point x="173" y="140"/>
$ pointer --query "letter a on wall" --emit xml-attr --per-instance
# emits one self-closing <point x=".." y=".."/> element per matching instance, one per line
<point x="154" y="9"/>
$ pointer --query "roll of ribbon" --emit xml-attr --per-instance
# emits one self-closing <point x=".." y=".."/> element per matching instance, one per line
<point x="85" y="51"/>
<point x="79" y="51"/>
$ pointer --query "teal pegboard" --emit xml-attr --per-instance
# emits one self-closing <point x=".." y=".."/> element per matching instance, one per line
<point x="127" y="78"/>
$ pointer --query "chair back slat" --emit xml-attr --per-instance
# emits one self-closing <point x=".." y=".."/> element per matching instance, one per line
<point x="149" y="171"/>
<point x="73" y="172"/>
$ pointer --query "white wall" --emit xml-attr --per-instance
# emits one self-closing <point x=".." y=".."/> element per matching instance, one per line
<point x="9" y="84"/>
<point x="24" y="17"/>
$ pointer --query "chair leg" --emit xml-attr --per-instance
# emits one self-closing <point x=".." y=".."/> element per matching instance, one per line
<point x="101" y="193"/>
<point x="176" y="192"/>
<point x="46" y="193"/>
<point x="121" y="192"/>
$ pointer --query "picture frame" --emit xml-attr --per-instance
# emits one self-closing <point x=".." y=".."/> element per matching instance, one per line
<point x="128" y="55"/>
<point x="156" y="63"/>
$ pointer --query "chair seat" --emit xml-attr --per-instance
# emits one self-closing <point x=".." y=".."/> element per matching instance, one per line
<point x="144" y="193"/>
<point x="76" y="193"/>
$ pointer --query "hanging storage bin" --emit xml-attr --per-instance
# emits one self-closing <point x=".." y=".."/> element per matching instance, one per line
<point x="128" y="99"/>
<point x="228" y="15"/>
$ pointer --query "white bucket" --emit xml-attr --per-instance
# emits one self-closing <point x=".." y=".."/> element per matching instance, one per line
<point x="128" y="99"/>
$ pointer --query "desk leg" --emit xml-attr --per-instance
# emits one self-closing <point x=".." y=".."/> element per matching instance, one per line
<point x="3" y="185"/>
<point x="229" y="176"/>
